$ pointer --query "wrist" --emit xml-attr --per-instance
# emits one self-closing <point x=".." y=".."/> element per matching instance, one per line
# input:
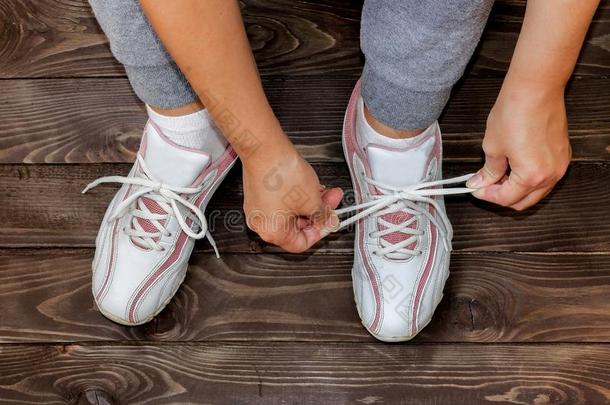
<point x="530" y="91"/>
<point x="530" y="85"/>
<point x="268" y="153"/>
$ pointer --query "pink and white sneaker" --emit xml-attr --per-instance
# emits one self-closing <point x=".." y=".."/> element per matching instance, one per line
<point x="147" y="235"/>
<point x="402" y="235"/>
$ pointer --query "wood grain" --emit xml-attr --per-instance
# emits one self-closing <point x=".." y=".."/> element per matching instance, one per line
<point x="525" y="317"/>
<point x="60" y="38"/>
<point x="100" y="120"/>
<point x="304" y="374"/>
<point x="43" y="207"/>
<point x="46" y="297"/>
<point x="495" y="50"/>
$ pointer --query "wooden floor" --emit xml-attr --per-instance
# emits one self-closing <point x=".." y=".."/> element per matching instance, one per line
<point x="526" y="313"/>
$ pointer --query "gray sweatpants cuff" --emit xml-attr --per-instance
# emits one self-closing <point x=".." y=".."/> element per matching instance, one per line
<point x="161" y="86"/>
<point x="399" y="107"/>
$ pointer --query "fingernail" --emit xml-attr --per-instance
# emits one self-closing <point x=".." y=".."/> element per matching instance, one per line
<point x="331" y="225"/>
<point x="332" y="221"/>
<point x="475" y="181"/>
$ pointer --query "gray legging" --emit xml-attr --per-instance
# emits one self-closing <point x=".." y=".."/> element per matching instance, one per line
<point x="415" y="52"/>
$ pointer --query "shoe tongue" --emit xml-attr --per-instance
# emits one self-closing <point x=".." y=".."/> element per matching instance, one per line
<point x="399" y="167"/>
<point x="170" y="163"/>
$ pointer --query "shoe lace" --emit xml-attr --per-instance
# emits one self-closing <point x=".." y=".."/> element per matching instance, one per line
<point x="167" y="198"/>
<point x="414" y="200"/>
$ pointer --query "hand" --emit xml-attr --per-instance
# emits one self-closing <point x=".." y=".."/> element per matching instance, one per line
<point x="527" y="132"/>
<point x="285" y="203"/>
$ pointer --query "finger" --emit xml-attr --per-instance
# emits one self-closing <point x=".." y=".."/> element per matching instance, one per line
<point x="298" y="240"/>
<point x="322" y="216"/>
<point x="332" y="197"/>
<point x="531" y="199"/>
<point x="308" y="232"/>
<point x="492" y="172"/>
<point x="507" y="193"/>
<point x="303" y="222"/>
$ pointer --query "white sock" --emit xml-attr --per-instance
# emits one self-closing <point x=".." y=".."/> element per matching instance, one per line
<point x="370" y="135"/>
<point x="195" y="131"/>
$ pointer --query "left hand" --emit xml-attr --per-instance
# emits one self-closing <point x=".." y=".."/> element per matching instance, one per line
<point x="527" y="132"/>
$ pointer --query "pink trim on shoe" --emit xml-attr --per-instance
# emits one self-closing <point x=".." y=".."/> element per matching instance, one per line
<point x="110" y="269"/>
<point x="222" y="166"/>
<point x="351" y="148"/>
<point x="425" y="277"/>
<point x="172" y="143"/>
<point x="151" y="280"/>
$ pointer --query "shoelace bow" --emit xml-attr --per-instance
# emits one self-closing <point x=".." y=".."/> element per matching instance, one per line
<point x="167" y="196"/>
<point x="393" y="200"/>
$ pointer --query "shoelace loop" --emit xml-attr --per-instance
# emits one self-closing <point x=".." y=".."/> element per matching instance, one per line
<point x="406" y="199"/>
<point x="167" y="196"/>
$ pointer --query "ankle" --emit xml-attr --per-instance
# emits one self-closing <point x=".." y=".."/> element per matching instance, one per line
<point x="390" y="132"/>
<point x="193" y="128"/>
<point x="193" y="107"/>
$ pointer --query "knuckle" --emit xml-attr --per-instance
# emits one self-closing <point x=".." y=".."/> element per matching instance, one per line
<point x="519" y="208"/>
<point x="490" y="149"/>
<point x="562" y="169"/>
<point x="251" y="225"/>
<point x="267" y="236"/>
<point x="503" y="203"/>
<point x="536" y="177"/>
<point x="296" y="250"/>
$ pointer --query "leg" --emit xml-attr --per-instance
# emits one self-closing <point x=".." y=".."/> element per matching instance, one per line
<point x="415" y="52"/>
<point x="171" y="102"/>
<point x="154" y="76"/>
<point x="151" y="225"/>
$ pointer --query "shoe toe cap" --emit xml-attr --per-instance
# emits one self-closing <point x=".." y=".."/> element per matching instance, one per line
<point x="396" y="319"/>
<point x="132" y="288"/>
<point x="114" y="309"/>
<point x="137" y="306"/>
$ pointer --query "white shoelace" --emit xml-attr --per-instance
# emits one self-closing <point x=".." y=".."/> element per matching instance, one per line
<point x="407" y="200"/>
<point x="167" y="197"/>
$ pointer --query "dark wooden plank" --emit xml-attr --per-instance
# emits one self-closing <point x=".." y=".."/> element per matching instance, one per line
<point x="43" y="207"/>
<point x="305" y="374"/>
<point x="46" y="296"/>
<point x="100" y="120"/>
<point x="60" y="38"/>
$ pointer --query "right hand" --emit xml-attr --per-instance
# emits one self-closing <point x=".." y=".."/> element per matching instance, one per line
<point x="284" y="202"/>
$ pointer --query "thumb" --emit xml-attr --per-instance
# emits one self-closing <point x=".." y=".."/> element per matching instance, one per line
<point x="492" y="172"/>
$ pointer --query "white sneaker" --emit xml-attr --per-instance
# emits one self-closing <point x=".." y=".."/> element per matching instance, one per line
<point x="147" y="235"/>
<point x="402" y="235"/>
